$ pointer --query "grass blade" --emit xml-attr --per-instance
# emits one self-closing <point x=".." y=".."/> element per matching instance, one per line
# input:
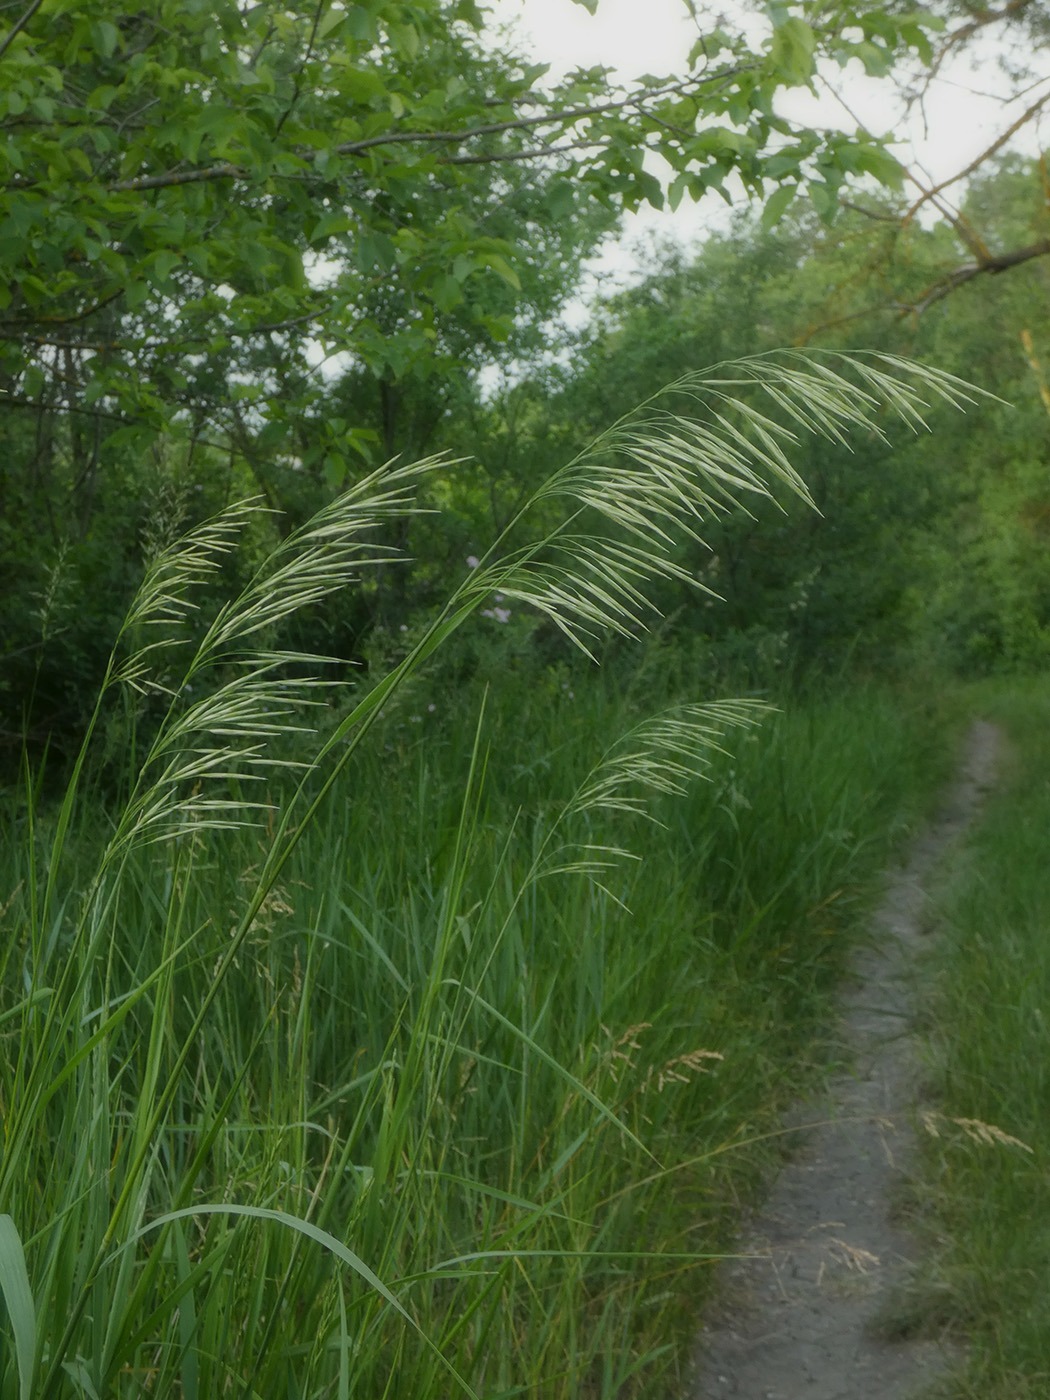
<point x="14" y="1284"/>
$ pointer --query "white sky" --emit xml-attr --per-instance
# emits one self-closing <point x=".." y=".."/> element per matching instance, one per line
<point x="963" y="115"/>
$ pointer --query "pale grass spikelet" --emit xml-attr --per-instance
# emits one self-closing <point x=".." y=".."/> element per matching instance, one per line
<point x="225" y="735"/>
<point x="648" y="483"/>
<point x="188" y="562"/>
<point x="984" y="1134"/>
<point x="681" y="1069"/>
<point x="615" y="1058"/>
<point x="663" y="754"/>
<point x="325" y="555"/>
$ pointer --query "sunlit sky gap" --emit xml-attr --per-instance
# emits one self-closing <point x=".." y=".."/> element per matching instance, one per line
<point x="961" y="116"/>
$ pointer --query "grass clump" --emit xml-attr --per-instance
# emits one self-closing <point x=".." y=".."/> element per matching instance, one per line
<point x="986" y="1195"/>
<point x="346" y="1071"/>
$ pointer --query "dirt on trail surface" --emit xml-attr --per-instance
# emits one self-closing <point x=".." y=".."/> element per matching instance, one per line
<point x="797" y="1315"/>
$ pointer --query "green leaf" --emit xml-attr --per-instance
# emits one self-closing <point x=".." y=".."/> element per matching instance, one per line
<point x="825" y="199"/>
<point x="32" y="381"/>
<point x="105" y="37"/>
<point x="777" y="205"/>
<point x="360" y="23"/>
<point x="164" y="261"/>
<point x="362" y="84"/>
<point x="336" y="222"/>
<point x="877" y="161"/>
<point x="135" y="294"/>
<point x="405" y="39"/>
<point x="502" y="268"/>
<point x="792" y="49"/>
<point x="463" y="266"/>
<point x="446" y="291"/>
<point x="561" y="199"/>
<point x="331" y="21"/>
<point x="14" y="1285"/>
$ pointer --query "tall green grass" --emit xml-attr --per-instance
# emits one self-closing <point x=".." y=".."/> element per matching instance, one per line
<point x="527" y="1115"/>
<point x="383" y="1066"/>
<point x="987" y="1199"/>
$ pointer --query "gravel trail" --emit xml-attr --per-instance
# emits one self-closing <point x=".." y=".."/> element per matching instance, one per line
<point x="795" y="1316"/>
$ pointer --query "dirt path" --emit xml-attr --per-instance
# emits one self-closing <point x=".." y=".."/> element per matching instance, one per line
<point x="795" y="1317"/>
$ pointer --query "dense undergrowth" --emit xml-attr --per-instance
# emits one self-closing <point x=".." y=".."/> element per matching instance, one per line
<point x="987" y="1198"/>
<point x="530" y="1116"/>
<point x="371" y="1042"/>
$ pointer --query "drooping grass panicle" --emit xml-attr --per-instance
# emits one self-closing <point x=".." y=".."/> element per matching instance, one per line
<point x="663" y="755"/>
<point x="653" y="479"/>
<point x="164" y="594"/>
<point x="332" y="550"/>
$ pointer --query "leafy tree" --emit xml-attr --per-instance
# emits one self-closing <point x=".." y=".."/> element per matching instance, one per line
<point x="1007" y="45"/>
<point x="192" y="194"/>
<point x="198" y="201"/>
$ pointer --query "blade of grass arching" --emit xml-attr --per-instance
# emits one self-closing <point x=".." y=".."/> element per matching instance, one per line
<point x="26" y="1004"/>
<point x="14" y="1285"/>
<point x="327" y="1241"/>
<point x="328" y="1202"/>
<point x="536" y="1211"/>
<point x="294" y="1270"/>
<point x="120" y="1348"/>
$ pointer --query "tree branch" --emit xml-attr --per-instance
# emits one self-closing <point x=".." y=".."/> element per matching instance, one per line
<point x="18" y="26"/>
<point x="938" y="290"/>
<point x="231" y="171"/>
<point x="1000" y="141"/>
<point x="65" y="320"/>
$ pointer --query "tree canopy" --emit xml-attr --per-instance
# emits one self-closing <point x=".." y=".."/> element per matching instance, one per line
<point x="194" y="194"/>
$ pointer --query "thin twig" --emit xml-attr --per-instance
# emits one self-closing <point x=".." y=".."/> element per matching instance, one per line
<point x="18" y="26"/>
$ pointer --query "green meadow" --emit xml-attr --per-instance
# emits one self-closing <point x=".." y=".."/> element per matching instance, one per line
<point x="453" y="1111"/>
